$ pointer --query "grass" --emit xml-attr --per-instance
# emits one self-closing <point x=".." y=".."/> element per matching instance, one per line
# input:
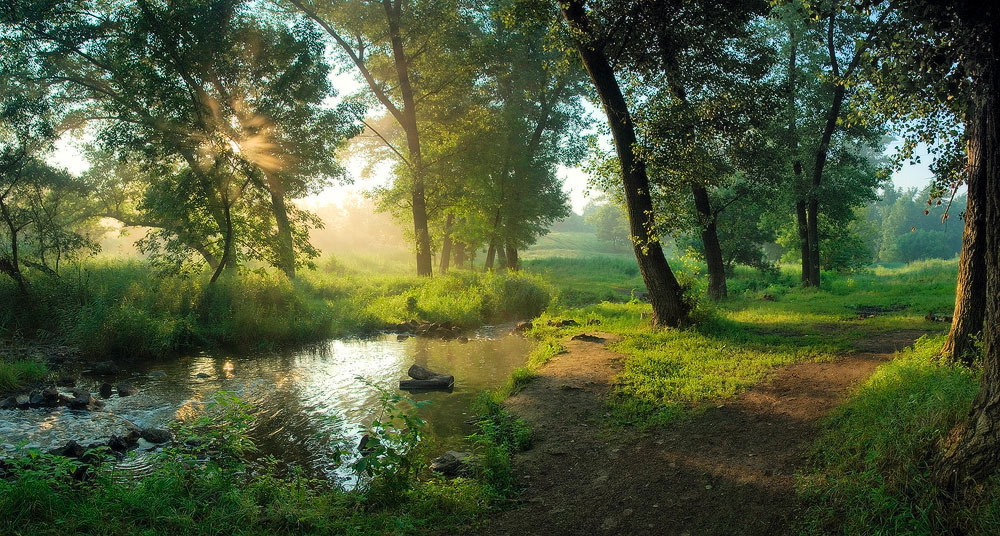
<point x="16" y="374"/>
<point x="125" y="310"/>
<point x="870" y="471"/>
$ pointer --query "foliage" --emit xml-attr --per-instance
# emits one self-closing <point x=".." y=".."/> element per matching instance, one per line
<point x="18" y="373"/>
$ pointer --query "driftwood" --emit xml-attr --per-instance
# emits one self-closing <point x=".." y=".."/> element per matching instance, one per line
<point x="425" y="380"/>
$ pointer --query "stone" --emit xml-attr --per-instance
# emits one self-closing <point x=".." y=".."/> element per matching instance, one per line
<point x="402" y="337"/>
<point x="521" y="327"/>
<point x="50" y="396"/>
<point x="123" y="442"/>
<point x="202" y="375"/>
<point x="8" y="403"/>
<point x="71" y="449"/>
<point x="451" y="463"/>
<point x="66" y="380"/>
<point x="126" y="389"/>
<point x="22" y="401"/>
<point x="157" y="374"/>
<point x="156" y="435"/>
<point x="425" y="379"/>
<point x="35" y="399"/>
<point x="463" y="339"/>
<point x="81" y="400"/>
<point x="105" y="390"/>
<point x="587" y="338"/>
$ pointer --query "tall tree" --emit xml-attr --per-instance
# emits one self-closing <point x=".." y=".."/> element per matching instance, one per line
<point x="666" y="295"/>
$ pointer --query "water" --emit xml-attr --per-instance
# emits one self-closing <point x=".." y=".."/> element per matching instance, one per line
<point x="300" y="398"/>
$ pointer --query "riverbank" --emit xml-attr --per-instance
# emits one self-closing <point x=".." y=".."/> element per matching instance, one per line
<point x="126" y="311"/>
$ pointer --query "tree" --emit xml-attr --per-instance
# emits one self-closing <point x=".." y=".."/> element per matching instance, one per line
<point x="666" y="295"/>
<point x="229" y="103"/>
<point x="609" y="222"/>
<point x="408" y="54"/>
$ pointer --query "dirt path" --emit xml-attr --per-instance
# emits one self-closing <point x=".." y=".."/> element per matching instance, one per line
<point x="727" y="471"/>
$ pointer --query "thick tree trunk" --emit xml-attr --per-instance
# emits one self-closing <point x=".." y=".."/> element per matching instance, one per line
<point x="409" y="124"/>
<point x="12" y="266"/>
<point x="512" y="261"/>
<point x="227" y="261"/>
<point x="801" y="219"/>
<point x="974" y="455"/>
<point x="710" y="239"/>
<point x="970" y="296"/>
<point x="666" y="295"/>
<point x="446" y="244"/>
<point x="501" y="254"/>
<point x="286" y="249"/>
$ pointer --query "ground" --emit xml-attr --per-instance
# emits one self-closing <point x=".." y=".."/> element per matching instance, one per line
<point x="728" y="469"/>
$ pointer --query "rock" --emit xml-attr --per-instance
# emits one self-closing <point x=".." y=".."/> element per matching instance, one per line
<point x="156" y="435"/>
<point x="363" y="446"/>
<point x="451" y="463"/>
<point x="81" y="400"/>
<point x="402" y="337"/>
<point x="22" y="401"/>
<point x="142" y="444"/>
<point x="157" y="374"/>
<point x="105" y="368"/>
<point x="202" y="375"/>
<point x="521" y="327"/>
<point x="66" y="380"/>
<point x="463" y="339"/>
<point x="123" y="442"/>
<point x="8" y="403"/>
<point x="420" y="373"/>
<point x="50" y="397"/>
<point x="72" y="449"/>
<point x="105" y="390"/>
<point x="35" y="399"/>
<point x="126" y="389"/>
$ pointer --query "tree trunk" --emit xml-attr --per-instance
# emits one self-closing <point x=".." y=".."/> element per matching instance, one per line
<point x="974" y="455"/>
<point x="501" y="255"/>
<point x="446" y="244"/>
<point x="710" y="239"/>
<point x="459" y="248"/>
<point x="227" y="261"/>
<point x="970" y="296"/>
<point x="491" y="253"/>
<point x="512" y="261"/>
<point x="666" y="295"/>
<point x="12" y="266"/>
<point x="286" y="249"/>
<point x="409" y="124"/>
<point x="793" y="140"/>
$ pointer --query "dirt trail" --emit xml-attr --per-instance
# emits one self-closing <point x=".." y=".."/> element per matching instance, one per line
<point x="727" y="471"/>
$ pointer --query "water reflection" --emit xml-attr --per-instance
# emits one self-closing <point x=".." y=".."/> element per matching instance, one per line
<point x="302" y="400"/>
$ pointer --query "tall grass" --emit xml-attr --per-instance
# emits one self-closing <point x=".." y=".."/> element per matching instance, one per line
<point x="14" y="374"/>
<point x="871" y="470"/>
<point x="125" y="310"/>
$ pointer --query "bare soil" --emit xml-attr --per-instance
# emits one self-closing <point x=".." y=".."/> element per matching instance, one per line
<point x="726" y="470"/>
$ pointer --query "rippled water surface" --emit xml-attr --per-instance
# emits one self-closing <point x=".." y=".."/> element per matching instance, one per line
<point x="299" y="398"/>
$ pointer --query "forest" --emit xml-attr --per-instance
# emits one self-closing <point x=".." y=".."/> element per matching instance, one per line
<point x="499" y="267"/>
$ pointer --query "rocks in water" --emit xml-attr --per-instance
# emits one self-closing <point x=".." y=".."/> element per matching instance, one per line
<point x="105" y="390"/>
<point x="66" y="380"/>
<point x="105" y="368"/>
<point x="451" y="463"/>
<point x="22" y="401"/>
<point x="402" y="337"/>
<point x="35" y="399"/>
<point x="50" y="397"/>
<point x="444" y="330"/>
<point x="8" y="403"/>
<point x="71" y="449"/>
<point x="156" y="435"/>
<point x="126" y="389"/>
<point x="82" y="400"/>
<point x="157" y="374"/>
<point x="123" y="442"/>
<point x="425" y="379"/>
<point x="203" y="375"/>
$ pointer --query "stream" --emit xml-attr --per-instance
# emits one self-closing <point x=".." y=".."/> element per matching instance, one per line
<point x="299" y="398"/>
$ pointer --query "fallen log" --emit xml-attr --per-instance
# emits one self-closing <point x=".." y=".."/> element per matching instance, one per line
<point x="425" y="380"/>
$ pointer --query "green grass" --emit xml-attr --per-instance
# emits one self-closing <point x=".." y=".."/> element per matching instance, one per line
<point x="125" y="310"/>
<point x="767" y="322"/>
<point x="15" y="374"/>
<point x="870" y="471"/>
<point x="575" y="245"/>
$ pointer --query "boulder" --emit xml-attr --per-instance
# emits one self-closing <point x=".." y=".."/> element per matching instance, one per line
<point x="402" y="337"/>
<point x="105" y="390"/>
<point x="35" y="399"/>
<point x="8" y="403"/>
<point x="123" y="442"/>
<point x="451" y="463"/>
<point x="156" y="435"/>
<point x="203" y="375"/>
<point x="157" y="374"/>
<point x="22" y="401"/>
<point x="81" y="400"/>
<point x="126" y="389"/>
<point x="72" y="449"/>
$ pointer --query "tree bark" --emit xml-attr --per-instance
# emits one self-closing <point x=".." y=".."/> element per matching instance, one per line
<point x="665" y="293"/>
<point x="974" y="454"/>
<point x="710" y="240"/>
<point x="801" y="217"/>
<point x="286" y="249"/>
<point x="409" y="124"/>
<point x="491" y="253"/>
<point x="459" y="248"/>
<point x="12" y="266"/>
<point x="227" y="261"/>
<point x="970" y="296"/>
<point x="446" y="244"/>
